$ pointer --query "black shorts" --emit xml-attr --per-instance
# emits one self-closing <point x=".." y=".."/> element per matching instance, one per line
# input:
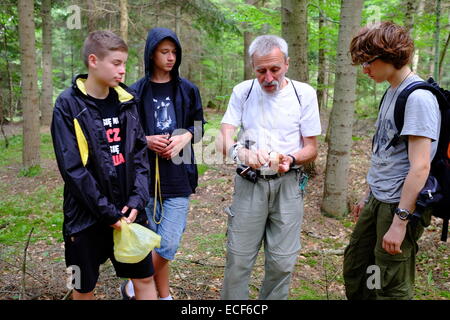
<point x="90" y="248"/>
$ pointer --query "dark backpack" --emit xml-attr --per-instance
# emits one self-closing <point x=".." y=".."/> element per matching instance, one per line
<point x="436" y="192"/>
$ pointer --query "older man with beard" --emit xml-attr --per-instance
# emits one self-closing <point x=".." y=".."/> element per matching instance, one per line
<point x="279" y="121"/>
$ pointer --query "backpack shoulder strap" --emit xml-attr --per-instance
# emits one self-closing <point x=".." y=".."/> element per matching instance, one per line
<point x="249" y="91"/>
<point x="296" y="94"/>
<point x="400" y="105"/>
<point x="382" y="98"/>
<point x="246" y="98"/>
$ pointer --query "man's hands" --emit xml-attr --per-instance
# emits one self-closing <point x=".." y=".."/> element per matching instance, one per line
<point x="357" y="208"/>
<point x="259" y="158"/>
<point x="254" y="159"/>
<point x="394" y="237"/>
<point x="158" y="143"/>
<point x="130" y="219"/>
<point x="285" y="163"/>
<point x="176" y="144"/>
<point x="166" y="147"/>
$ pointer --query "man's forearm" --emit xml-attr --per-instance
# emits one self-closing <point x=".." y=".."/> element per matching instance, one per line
<point x="419" y="149"/>
<point x="307" y="154"/>
<point x="414" y="182"/>
<point x="225" y="139"/>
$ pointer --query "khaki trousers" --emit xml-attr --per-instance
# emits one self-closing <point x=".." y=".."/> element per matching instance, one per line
<point x="269" y="212"/>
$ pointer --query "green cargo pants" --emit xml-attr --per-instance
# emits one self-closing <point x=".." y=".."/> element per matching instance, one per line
<point x="364" y="257"/>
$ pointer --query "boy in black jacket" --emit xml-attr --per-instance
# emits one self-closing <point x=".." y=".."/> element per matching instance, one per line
<point x="101" y="152"/>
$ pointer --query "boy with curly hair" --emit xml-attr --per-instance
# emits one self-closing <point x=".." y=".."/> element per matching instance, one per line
<point x="384" y="239"/>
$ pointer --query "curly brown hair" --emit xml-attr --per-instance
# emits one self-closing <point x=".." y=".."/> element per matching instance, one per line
<point x="386" y="40"/>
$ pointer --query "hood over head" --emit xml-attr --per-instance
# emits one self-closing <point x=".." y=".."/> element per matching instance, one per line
<point x="154" y="37"/>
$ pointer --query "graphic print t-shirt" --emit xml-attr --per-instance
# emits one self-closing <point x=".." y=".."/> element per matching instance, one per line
<point x="174" y="180"/>
<point x="164" y="111"/>
<point x="109" y="111"/>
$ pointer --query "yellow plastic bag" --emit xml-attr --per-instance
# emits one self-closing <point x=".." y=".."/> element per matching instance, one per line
<point x="134" y="242"/>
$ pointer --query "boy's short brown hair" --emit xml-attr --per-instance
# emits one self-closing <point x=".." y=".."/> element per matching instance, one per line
<point x="386" y="40"/>
<point x="100" y="42"/>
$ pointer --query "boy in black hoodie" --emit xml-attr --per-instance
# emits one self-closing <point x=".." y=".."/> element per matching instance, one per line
<point x="172" y="117"/>
<point x="101" y="153"/>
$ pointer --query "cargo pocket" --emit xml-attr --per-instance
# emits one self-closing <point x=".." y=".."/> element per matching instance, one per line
<point x="229" y="232"/>
<point x="395" y="281"/>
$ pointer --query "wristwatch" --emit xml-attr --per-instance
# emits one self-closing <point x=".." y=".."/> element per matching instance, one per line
<point x="293" y="160"/>
<point x="233" y="152"/>
<point x="403" y="214"/>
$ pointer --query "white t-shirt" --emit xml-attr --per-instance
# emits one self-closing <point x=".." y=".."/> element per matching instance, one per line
<point x="274" y="122"/>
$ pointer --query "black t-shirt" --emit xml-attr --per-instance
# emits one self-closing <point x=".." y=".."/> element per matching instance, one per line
<point x="173" y="177"/>
<point x="109" y="111"/>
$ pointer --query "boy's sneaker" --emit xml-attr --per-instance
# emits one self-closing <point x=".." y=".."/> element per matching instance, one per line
<point x="124" y="292"/>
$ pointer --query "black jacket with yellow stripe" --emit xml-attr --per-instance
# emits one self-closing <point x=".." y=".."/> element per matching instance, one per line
<point x="91" y="189"/>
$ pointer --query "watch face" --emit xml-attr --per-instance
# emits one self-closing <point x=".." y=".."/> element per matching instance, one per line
<point x="402" y="214"/>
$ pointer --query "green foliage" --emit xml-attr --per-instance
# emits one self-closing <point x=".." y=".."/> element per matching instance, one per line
<point x="305" y="291"/>
<point x="202" y="168"/>
<point x="40" y="209"/>
<point x="212" y="121"/>
<point x="29" y="207"/>
<point x="212" y="244"/>
<point x="214" y="30"/>
<point x="265" y="20"/>
<point x="32" y="171"/>
<point x="13" y="154"/>
<point x="211" y="18"/>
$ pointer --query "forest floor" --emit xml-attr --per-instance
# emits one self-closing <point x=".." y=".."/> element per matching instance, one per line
<point x="197" y="270"/>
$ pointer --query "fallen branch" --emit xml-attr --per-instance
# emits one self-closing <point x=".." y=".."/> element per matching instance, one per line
<point x="325" y="274"/>
<point x="27" y="272"/>
<point x="67" y="294"/>
<point x="201" y="263"/>
<point x="337" y="252"/>
<point x="24" y="266"/>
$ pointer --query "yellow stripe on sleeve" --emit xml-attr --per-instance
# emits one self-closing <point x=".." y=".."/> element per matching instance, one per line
<point x="82" y="142"/>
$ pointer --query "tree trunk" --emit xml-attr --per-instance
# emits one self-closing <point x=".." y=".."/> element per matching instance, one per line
<point x="91" y="16"/>
<point x="157" y="11"/>
<point x="124" y="24"/>
<point x="178" y="32"/>
<point x="10" y="81"/>
<point x="441" y="60"/>
<point x="341" y="118"/>
<point x="30" y="101"/>
<point x="124" y="20"/>
<point x="178" y="19"/>
<point x="248" y="68"/>
<point x="410" y="6"/>
<point x="416" y="57"/>
<point x="436" y="40"/>
<point x="2" y="121"/>
<point x="327" y="81"/>
<point x="47" y="85"/>
<point x="321" y="59"/>
<point x="248" y="38"/>
<point x="141" y="62"/>
<point x="294" y="29"/>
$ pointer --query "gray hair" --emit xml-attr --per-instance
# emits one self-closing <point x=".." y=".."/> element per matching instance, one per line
<point x="263" y="45"/>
